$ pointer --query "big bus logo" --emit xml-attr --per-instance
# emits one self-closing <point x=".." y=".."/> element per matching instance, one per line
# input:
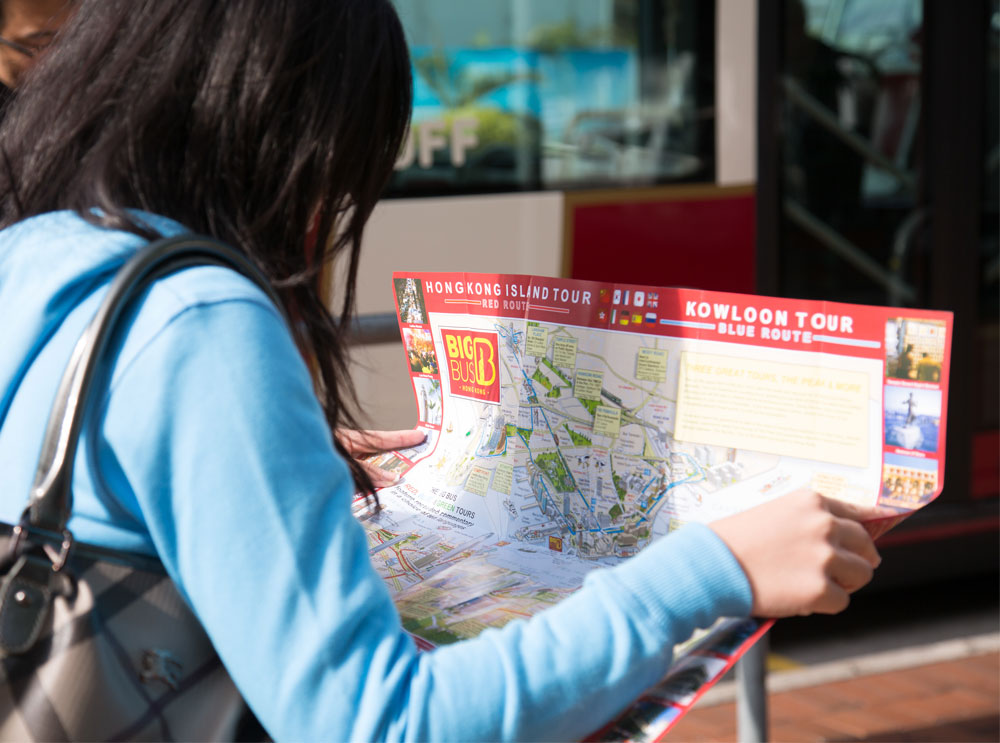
<point x="472" y="364"/>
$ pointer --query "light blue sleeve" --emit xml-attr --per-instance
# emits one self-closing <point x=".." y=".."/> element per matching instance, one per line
<point x="247" y="503"/>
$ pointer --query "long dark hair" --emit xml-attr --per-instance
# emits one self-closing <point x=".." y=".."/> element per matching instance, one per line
<point x="270" y="124"/>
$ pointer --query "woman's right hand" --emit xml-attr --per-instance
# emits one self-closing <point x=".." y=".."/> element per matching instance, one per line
<point x="802" y="553"/>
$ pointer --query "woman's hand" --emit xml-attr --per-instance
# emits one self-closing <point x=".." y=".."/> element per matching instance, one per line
<point x="361" y="444"/>
<point x="802" y="553"/>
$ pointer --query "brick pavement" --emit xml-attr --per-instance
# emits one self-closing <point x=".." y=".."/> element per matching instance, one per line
<point x="955" y="701"/>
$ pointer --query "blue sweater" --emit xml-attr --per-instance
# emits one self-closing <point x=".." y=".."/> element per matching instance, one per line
<point x="211" y="451"/>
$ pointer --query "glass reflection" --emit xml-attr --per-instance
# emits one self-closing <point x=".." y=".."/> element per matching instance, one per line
<point x="511" y="94"/>
<point x="851" y="125"/>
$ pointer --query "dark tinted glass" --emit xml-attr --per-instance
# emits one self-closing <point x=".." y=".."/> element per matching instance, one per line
<point x="851" y="83"/>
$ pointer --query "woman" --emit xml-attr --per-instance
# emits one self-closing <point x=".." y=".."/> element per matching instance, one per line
<point x="258" y="122"/>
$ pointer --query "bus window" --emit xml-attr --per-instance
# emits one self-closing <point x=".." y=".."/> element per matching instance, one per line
<point x="884" y="185"/>
<point x="851" y="85"/>
<point x="513" y="95"/>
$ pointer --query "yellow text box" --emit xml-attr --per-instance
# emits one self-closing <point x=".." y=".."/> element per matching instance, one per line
<point x="587" y="384"/>
<point x="607" y="421"/>
<point x="791" y="410"/>
<point x="503" y="476"/>
<point x="651" y="364"/>
<point x="479" y="480"/>
<point x="564" y="352"/>
<point x="536" y="339"/>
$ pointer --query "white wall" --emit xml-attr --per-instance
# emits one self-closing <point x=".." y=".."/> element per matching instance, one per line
<point x="736" y="91"/>
<point x="511" y="233"/>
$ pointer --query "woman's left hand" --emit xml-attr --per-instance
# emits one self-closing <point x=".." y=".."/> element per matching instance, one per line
<point x="360" y="444"/>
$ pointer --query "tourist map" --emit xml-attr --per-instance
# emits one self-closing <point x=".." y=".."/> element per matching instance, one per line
<point x="571" y="423"/>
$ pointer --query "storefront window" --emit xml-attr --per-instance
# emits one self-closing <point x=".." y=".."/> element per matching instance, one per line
<point x="524" y="95"/>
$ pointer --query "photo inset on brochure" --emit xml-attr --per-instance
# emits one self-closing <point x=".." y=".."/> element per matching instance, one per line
<point x="912" y="418"/>
<point x="648" y="720"/>
<point x="688" y="677"/>
<point x="389" y="462"/>
<point x="420" y="351"/>
<point x="410" y="300"/>
<point x="914" y="349"/>
<point x="428" y="399"/>
<point x="908" y="482"/>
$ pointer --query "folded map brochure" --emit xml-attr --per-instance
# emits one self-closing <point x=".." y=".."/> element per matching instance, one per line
<point x="570" y="423"/>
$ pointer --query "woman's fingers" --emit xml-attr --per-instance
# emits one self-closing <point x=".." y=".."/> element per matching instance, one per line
<point x="801" y="553"/>
<point x="853" y="537"/>
<point x="854" y="512"/>
<point x="833" y="600"/>
<point x="850" y="570"/>
<point x="363" y="443"/>
<point x="379" y="477"/>
<point x="360" y="443"/>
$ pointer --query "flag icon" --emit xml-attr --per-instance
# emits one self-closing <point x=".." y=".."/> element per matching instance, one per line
<point x="640" y="299"/>
<point x="618" y="297"/>
<point x="651" y="317"/>
<point x="604" y="296"/>
<point x="614" y="314"/>
<point x="637" y="317"/>
<point x="624" y="318"/>
<point x="602" y="315"/>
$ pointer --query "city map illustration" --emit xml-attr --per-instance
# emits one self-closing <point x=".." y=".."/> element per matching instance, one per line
<point x="570" y="423"/>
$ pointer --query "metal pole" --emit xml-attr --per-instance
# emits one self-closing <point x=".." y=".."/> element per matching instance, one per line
<point x="751" y="694"/>
<point x="374" y="328"/>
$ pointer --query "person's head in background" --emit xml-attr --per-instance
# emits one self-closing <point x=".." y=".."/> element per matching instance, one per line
<point x="26" y="29"/>
<point x="253" y="121"/>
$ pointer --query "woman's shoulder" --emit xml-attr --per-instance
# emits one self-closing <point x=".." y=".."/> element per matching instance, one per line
<point x="64" y="261"/>
<point x="55" y="269"/>
<point x="202" y="337"/>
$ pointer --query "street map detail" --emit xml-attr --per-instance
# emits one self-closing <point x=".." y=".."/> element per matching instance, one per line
<point x="570" y="423"/>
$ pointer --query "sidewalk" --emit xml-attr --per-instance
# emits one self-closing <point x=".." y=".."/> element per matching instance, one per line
<point x="910" y="695"/>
